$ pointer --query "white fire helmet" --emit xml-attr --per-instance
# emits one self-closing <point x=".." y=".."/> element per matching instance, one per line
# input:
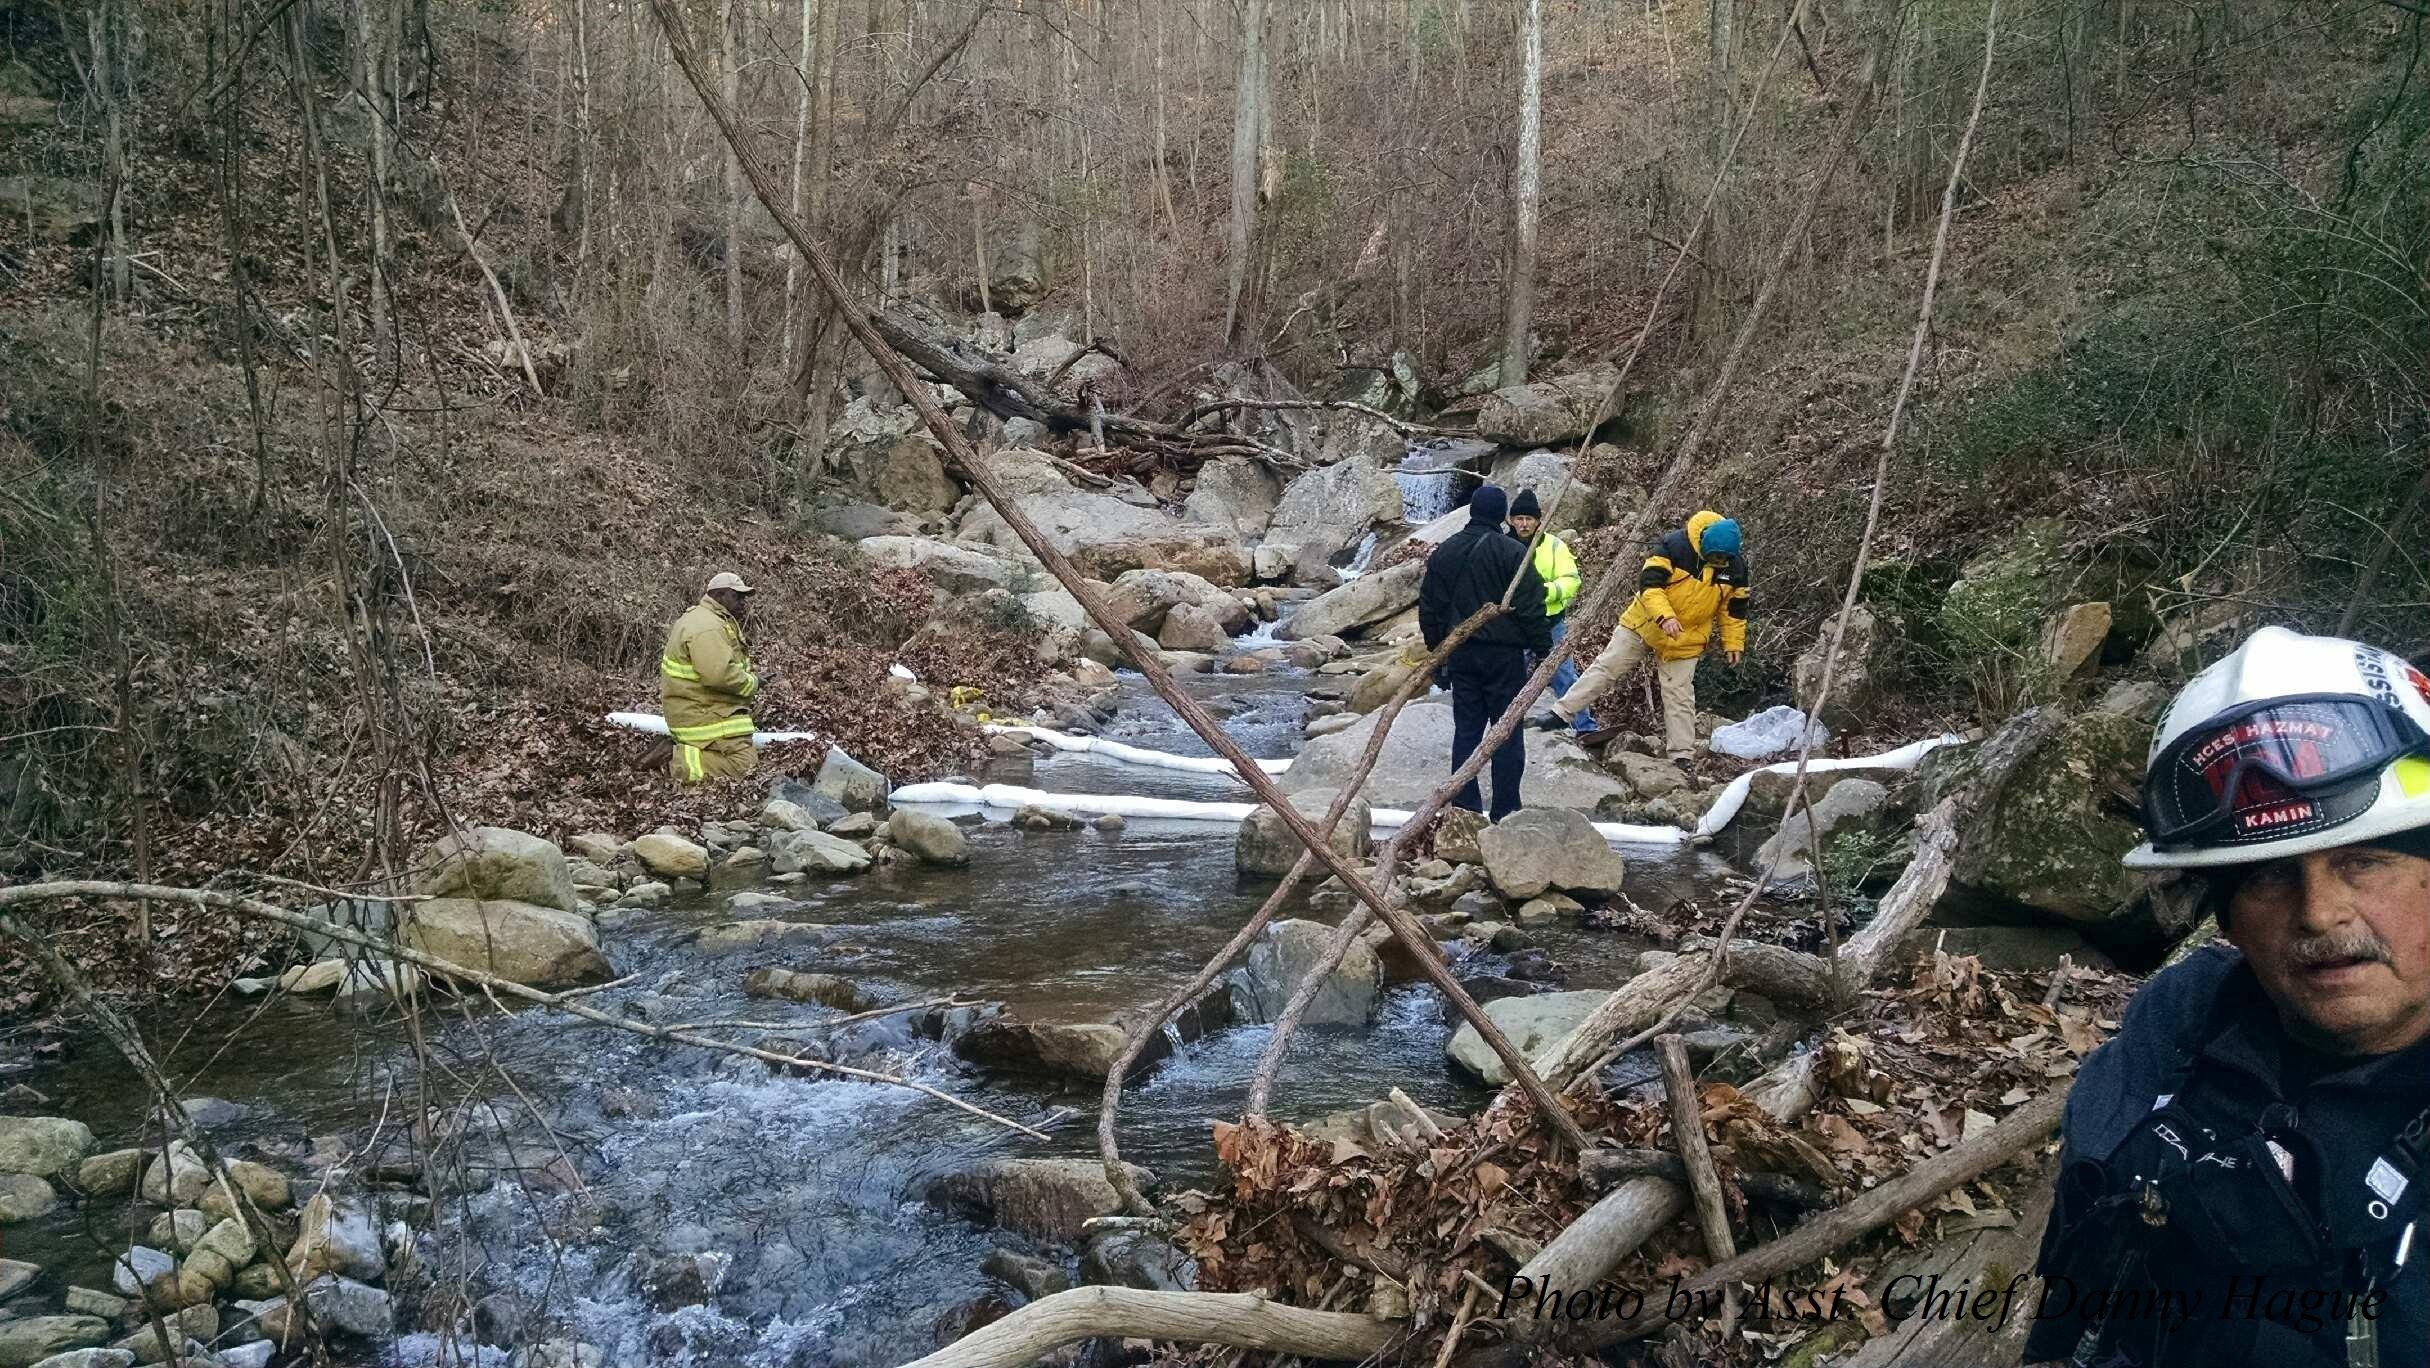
<point x="2292" y="744"/>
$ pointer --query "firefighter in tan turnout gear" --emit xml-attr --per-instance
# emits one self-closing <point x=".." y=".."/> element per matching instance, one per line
<point x="705" y="685"/>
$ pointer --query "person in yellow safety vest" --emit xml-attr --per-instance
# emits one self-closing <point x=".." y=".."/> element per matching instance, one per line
<point x="1696" y="577"/>
<point x="706" y="684"/>
<point x="1558" y="568"/>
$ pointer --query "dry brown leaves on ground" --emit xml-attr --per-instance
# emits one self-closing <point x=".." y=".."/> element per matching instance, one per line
<point x="1912" y="1071"/>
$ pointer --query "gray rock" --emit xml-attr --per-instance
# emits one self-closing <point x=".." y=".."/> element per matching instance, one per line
<point x="1650" y="777"/>
<point x="559" y="1353"/>
<point x="1032" y="1278"/>
<point x="793" y="985"/>
<point x="648" y="893"/>
<point x="338" y="1237"/>
<point x="1534" y="1024"/>
<point x="1144" y="598"/>
<point x="23" y="1197"/>
<point x="1035" y="818"/>
<point x="16" y="1275"/>
<point x="175" y="1179"/>
<point x="91" y="1358"/>
<point x="851" y="783"/>
<point x="815" y="852"/>
<point x="1361" y="603"/>
<point x="111" y="1174"/>
<point x="1581" y="507"/>
<point x="670" y="856"/>
<point x="1266" y="847"/>
<point x="339" y="1304"/>
<point x="1550" y="909"/>
<point x="139" y="1267"/>
<point x="30" y="1339"/>
<point x="254" y="1355"/>
<point x="1417" y="754"/>
<point x="1234" y="492"/>
<point x="933" y="839"/>
<point x="1082" y="1051"/>
<point x="192" y="1325"/>
<point x="1191" y="628"/>
<point x="1536" y="849"/>
<point x="540" y="947"/>
<point x="2052" y="844"/>
<point x="1855" y="692"/>
<point x="1326" y="511"/>
<point x="1046" y="1199"/>
<point x="948" y="567"/>
<point x="853" y="826"/>
<point x="44" y="1146"/>
<point x="1547" y="412"/>
<point x="498" y="863"/>
<point x="1851" y="805"/>
<point x="179" y="1230"/>
<point x="92" y="1301"/>
<point x="1135" y="1258"/>
<point x="746" y="866"/>
<point x="1284" y="955"/>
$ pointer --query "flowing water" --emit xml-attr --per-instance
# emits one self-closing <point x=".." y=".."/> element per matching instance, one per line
<point x="794" y="1201"/>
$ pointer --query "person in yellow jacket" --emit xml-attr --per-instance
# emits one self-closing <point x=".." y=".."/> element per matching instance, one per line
<point x="706" y="684"/>
<point x="1697" y="577"/>
<point x="1558" y="568"/>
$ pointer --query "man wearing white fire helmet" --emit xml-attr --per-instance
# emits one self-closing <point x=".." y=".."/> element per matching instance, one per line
<point x="2244" y="1170"/>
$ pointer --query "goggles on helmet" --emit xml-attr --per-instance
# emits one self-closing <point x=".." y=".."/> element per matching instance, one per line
<point x="2273" y="769"/>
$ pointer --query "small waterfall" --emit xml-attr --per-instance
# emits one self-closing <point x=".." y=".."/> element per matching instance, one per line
<point x="1437" y="476"/>
<point x="1365" y="553"/>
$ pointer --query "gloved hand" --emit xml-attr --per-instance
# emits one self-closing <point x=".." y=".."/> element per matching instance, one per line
<point x="1549" y="722"/>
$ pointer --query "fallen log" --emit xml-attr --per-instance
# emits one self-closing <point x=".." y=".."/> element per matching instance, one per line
<point x="2022" y="1129"/>
<point x="1605" y="1168"/>
<point x="1237" y="1319"/>
<point x="1703" y="1182"/>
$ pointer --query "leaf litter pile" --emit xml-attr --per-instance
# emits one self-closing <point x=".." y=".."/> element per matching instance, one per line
<point x="1404" y="1222"/>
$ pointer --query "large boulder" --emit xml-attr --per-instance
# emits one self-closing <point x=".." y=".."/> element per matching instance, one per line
<point x="1536" y="849"/>
<point x="1534" y="1024"/>
<point x="907" y="473"/>
<point x="1283" y="957"/>
<point x="1854" y="687"/>
<point x="948" y="568"/>
<point x="1070" y="517"/>
<point x="1191" y="628"/>
<point x="2050" y="848"/>
<point x="1235" y="492"/>
<point x="539" y="947"/>
<point x="24" y="1197"/>
<point x="1209" y="553"/>
<point x="498" y="863"/>
<point x="1547" y="412"/>
<point x="1417" y="755"/>
<point x="1362" y="602"/>
<point x="1142" y="598"/>
<point x="815" y="852"/>
<point x="1045" y="1199"/>
<point x="1850" y="805"/>
<point x="933" y="839"/>
<point x="851" y="783"/>
<point x="1266" y="846"/>
<point x="1327" y="511"/>
<point x="44" y="1146"/>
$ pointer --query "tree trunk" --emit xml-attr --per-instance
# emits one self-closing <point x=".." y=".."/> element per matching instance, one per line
<point x="1249" y="111"/>
<point x="1526" y="186"/>
<point x="801" y="146"/>
<point x="727" y="14"/>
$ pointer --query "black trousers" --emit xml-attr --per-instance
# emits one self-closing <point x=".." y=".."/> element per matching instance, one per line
<point x="1483" y="680"/>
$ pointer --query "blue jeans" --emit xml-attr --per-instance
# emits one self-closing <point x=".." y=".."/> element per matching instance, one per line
<point x="1567" y="675"/>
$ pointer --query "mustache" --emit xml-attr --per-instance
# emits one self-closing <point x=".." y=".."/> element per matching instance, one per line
<point x="2354" y="943"/>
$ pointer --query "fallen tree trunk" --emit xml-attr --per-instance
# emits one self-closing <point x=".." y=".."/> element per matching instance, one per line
<point x="1240" y="1320"/>
<point x="2023" y="1129"/>
<point x="1606" y="1168"/>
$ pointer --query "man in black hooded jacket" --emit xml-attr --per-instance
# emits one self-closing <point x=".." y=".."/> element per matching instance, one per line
<point x="1469" y="570"/>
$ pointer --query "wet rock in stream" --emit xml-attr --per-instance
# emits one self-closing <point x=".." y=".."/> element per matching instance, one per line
<point x="1045" y="1199"/>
